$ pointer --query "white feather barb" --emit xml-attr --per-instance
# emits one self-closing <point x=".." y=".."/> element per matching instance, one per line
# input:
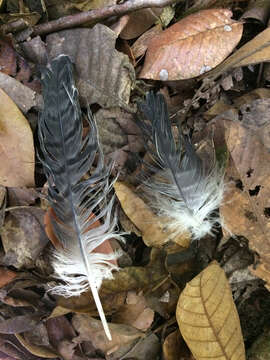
<point x="184" y="191"/>
<point x="84" y="216"/>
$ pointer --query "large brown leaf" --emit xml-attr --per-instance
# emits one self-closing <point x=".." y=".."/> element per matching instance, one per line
<point x="104" y="75"/>
<point x="16" y="145"/>
<point x="207" y="317"/>
<point x="192" y="46"/>
<point x="251" y="160"/>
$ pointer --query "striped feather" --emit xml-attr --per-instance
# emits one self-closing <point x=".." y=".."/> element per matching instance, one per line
<point x="67" y="157"/>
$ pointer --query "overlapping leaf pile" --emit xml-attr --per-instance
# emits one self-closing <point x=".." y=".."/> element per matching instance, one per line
<point x="172" y="299"/>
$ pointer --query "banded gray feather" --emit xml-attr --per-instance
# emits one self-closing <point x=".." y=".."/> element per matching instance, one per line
<point x="184" y="190"/>
<point x="67" y="157"/>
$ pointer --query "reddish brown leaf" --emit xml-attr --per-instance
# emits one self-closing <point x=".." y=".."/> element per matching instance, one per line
<point x="6" y="276"/>
<point x="192" y="46"/>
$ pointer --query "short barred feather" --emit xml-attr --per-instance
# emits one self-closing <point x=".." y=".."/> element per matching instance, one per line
<point x="184" y="190"/>
<point x="67" y="157"/>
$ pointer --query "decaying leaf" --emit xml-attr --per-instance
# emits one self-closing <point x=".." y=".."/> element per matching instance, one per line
<point x="175" y="348"/>
<point x="207" y="317"/>
<point x="135" y="312"/>
<point x="90" y="329"/>
<point x="251" y="160"/>
<point x="37" y="350"/>
<point x="119" y="135"/>
<point x="104" y="75"/>
<point x="6" y="276"/>
<point x="20" y="226"/>
<point x="140" y="46"/>
<point x="193" y="46"/>
<point x="258" y="10"/>
<point x="153" y="227"/>
<point x="16" y="143"/>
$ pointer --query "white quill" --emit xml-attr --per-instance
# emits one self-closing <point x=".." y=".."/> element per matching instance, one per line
<point x="67" y="157"/>
<point x="184" y="190"/>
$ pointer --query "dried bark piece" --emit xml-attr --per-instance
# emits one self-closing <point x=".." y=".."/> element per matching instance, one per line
<point x="104" y="75"/>
<point x="192" y="46"/>
<point x="208" y="319"/>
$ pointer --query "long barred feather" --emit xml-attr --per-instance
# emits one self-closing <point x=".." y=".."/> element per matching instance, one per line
<point x="67" y="157"/>
<point x="185" y="191"/>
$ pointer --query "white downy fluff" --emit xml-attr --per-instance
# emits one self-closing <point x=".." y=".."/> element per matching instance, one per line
<point x="184" y="191"/>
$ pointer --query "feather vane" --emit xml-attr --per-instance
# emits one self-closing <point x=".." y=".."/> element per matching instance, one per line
<point x="67" y="157"/>
<point x="185" y="191"/>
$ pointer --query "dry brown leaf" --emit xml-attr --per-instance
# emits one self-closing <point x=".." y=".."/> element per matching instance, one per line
<point x="135" y="312"/>
<point x="104" y="75"/>
<point x="20" y="226"/>
<point x="6" y="276"/>
<point x="258" y="10"/>
<point x="140" y="46"/>
<point x="193" y="46"/>
<point x="36" y="350"/>
<point x="153" y="227"/>
<point x="251" y="160"/>
<point x="90" y="329"/>
<point x="255" y="51"/>
<point x="175" y="348"/>
<point x="17" y="148"/>
<point x="119" y="135"/>
<point x="139" y="22"/>
<point x="207" y="317"/>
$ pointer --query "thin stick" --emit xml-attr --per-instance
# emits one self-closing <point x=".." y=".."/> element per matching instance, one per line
<point x="70" y="21"/>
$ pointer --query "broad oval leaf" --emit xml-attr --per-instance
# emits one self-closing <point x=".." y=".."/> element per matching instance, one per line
<point x="208" y="319"/>
<point x="192" y="46"/>
<point x="17" y="156"/>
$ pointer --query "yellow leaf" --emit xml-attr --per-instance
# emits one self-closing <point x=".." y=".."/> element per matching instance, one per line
<point x="208" y="319"/>
<point x="16" y="145"/>
<point x="153" y="228"/>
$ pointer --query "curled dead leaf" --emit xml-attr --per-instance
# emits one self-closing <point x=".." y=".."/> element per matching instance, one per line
<point x="192" y="46"/>
<point x="207" y="317"/>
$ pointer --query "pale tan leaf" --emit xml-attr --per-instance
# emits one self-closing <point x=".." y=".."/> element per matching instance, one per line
<point x="192" y="46"/>
<point x="16" y="145"/>
<point x="208" y="319"/>
<point x="153" y="228"/>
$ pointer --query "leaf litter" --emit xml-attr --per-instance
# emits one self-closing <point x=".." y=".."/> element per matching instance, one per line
<point x="210" y="69"/>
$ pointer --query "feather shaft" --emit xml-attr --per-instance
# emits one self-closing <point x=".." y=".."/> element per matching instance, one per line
<point x="67" y="157"/>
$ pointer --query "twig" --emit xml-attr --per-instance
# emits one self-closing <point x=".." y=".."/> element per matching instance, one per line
<point x="99" y="14"/>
